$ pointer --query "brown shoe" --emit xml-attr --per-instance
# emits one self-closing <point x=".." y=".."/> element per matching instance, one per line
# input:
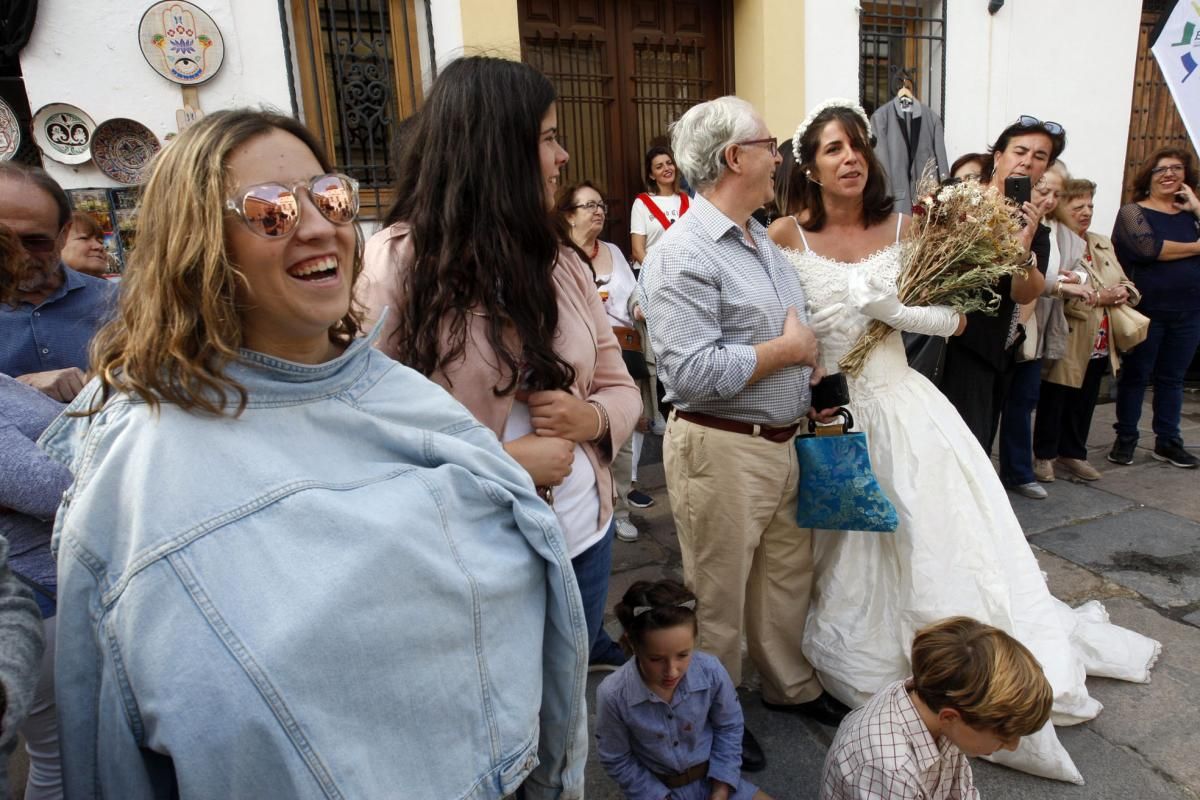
<point x="1079" y="468"/>
<point x="1043" y="470"/>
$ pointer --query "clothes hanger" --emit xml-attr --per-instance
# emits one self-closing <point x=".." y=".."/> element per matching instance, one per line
<point x="905" y="97"/>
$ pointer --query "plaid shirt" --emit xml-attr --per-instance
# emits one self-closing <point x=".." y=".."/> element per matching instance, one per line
<point x="709" y="297"/>
<point x="883" y="751"/>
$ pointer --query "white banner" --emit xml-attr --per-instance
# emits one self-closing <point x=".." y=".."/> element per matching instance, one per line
<point x="1177" y="51"/>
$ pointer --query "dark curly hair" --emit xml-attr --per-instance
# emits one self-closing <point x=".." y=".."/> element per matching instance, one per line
<point x="469" y="185"/>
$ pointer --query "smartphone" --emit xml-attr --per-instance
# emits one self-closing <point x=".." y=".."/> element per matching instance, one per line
<point x="831" y="392"/>
<point x="1017" y="188"/>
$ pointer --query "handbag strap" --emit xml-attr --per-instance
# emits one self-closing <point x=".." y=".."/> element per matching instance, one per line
<point x="847" y="422"/>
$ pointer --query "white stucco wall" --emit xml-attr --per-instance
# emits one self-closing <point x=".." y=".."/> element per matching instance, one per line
<point x="447" y="31"/>
<point x="830" y="52"/>
<point x="1071" y="61"/>
<point x="87" y="54"/>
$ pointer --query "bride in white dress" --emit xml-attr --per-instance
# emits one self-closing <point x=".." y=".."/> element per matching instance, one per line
<point x="959" y="548"/>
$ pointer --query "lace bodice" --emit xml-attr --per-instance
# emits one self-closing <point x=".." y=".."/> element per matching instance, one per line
<point x="825" y="282"/>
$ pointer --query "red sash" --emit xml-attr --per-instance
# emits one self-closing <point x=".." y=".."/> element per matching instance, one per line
<point x="657" y="212"/>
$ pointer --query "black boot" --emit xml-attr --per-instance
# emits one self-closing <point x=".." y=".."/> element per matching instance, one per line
<point x="753" y="757"/>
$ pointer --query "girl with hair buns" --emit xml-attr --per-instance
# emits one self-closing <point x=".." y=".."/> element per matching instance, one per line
<point x="668" y="723"/>
<point x="959" y="548"/>
<point x="290" y="566"/>
<point x="491" y="300"/>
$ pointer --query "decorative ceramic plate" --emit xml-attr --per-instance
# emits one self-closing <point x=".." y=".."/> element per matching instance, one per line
<point x="123" y="149"/>
<point x="10" y="132"/>
<point x="181" y="42"/>
<point x="63" y="132"/>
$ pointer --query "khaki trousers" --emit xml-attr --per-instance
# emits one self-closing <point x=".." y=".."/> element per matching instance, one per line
<point x="733" y="497"/>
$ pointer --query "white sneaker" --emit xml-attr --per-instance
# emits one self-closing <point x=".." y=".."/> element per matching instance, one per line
<point x="626" y="531"/>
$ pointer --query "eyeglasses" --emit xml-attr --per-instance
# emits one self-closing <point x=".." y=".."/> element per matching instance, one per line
<point x="272" y="210"/>
<point x="1052" y="128"/>
<point x="38" y="245"/>
<point x="592" y="206"/>
<point x="772" y="145"/>
<point x="1167" y="168"/>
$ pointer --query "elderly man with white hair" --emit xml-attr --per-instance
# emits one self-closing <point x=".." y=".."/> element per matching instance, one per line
<point x="727" y="317"/>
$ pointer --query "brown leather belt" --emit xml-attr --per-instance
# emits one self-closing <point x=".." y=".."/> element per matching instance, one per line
<point x="776" y="435"/>
<point x="692" y="775"/>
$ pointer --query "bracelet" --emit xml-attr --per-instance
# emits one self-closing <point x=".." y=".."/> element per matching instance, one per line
<point x="602" y="423"/>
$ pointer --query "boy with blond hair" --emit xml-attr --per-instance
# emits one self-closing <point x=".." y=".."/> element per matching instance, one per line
<point x="974" y="690"/>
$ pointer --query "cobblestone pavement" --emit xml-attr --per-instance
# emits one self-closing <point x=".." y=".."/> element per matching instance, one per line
<point x="1131" y="539"/>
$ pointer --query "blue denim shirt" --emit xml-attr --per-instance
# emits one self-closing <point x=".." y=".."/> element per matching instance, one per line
<point x="349" y="591"/>
<point x="639" y="735"/>
<point x="55" y="334"/>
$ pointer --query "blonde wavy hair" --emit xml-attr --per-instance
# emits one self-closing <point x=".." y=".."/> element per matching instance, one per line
<point x="179" y="323"/>
<point x="990" y="678"/>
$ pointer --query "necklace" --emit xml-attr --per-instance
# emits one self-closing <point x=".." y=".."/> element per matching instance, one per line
<point x="595" y="249"/>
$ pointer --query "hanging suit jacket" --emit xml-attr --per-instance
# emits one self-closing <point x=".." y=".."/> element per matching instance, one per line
<point x="905" y="142"/>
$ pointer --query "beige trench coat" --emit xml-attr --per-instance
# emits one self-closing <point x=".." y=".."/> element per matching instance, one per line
<point x="1083" y="321"/>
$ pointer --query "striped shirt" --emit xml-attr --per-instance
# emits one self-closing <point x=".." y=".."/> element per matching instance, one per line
<point x="883" y="751"/>
<point x="709" y="297"/>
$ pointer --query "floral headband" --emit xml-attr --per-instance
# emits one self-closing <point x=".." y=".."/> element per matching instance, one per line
<point x="690" y="605"/>
<point x="833" y="102"/>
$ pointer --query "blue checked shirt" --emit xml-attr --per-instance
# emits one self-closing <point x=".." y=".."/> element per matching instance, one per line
<point x="709" y="297"/>
<point x="56" y="333"/>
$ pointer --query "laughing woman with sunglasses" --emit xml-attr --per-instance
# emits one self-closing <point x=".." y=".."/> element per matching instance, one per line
<point x="290" y="567"/>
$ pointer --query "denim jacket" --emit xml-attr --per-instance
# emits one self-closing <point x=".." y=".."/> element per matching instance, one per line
<point x="349" y="591"/>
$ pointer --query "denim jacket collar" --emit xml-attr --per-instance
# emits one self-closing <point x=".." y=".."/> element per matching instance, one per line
<point x="269" y="379"/>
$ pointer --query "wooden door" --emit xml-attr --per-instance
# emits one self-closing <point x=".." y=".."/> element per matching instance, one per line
<point x="1154" y="120"/>
<point x="624" y="70"/>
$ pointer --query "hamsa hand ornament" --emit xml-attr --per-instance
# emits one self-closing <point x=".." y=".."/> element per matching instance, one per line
<point x="181" y="42"/>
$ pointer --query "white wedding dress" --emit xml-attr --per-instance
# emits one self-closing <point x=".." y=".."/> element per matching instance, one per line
<point x="959" y="549"/>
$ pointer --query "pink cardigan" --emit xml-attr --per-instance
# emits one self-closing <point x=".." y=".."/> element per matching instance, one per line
<point x="584" y="339"/>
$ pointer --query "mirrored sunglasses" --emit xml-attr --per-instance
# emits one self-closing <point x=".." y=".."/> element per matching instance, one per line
<point x="272" y="210"/>
<point x="1052" y="128"/>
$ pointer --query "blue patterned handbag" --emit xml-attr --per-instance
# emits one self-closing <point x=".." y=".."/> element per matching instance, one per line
<point x="838" y="489"/>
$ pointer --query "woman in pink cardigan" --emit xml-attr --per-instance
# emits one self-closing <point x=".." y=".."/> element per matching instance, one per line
<point x="486" y="300"/>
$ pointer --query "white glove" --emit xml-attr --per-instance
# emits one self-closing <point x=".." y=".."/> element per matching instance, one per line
<point x="829" y="320"/>
<point x="833" y="326"/>
<point x="876" y="298"/>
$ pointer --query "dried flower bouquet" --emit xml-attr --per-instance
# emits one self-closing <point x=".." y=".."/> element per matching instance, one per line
<point x="962" y="241"/>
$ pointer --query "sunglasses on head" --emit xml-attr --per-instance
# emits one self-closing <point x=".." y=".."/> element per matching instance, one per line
<point x="1052" y="128"/>
<point x="272" y="210"/>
